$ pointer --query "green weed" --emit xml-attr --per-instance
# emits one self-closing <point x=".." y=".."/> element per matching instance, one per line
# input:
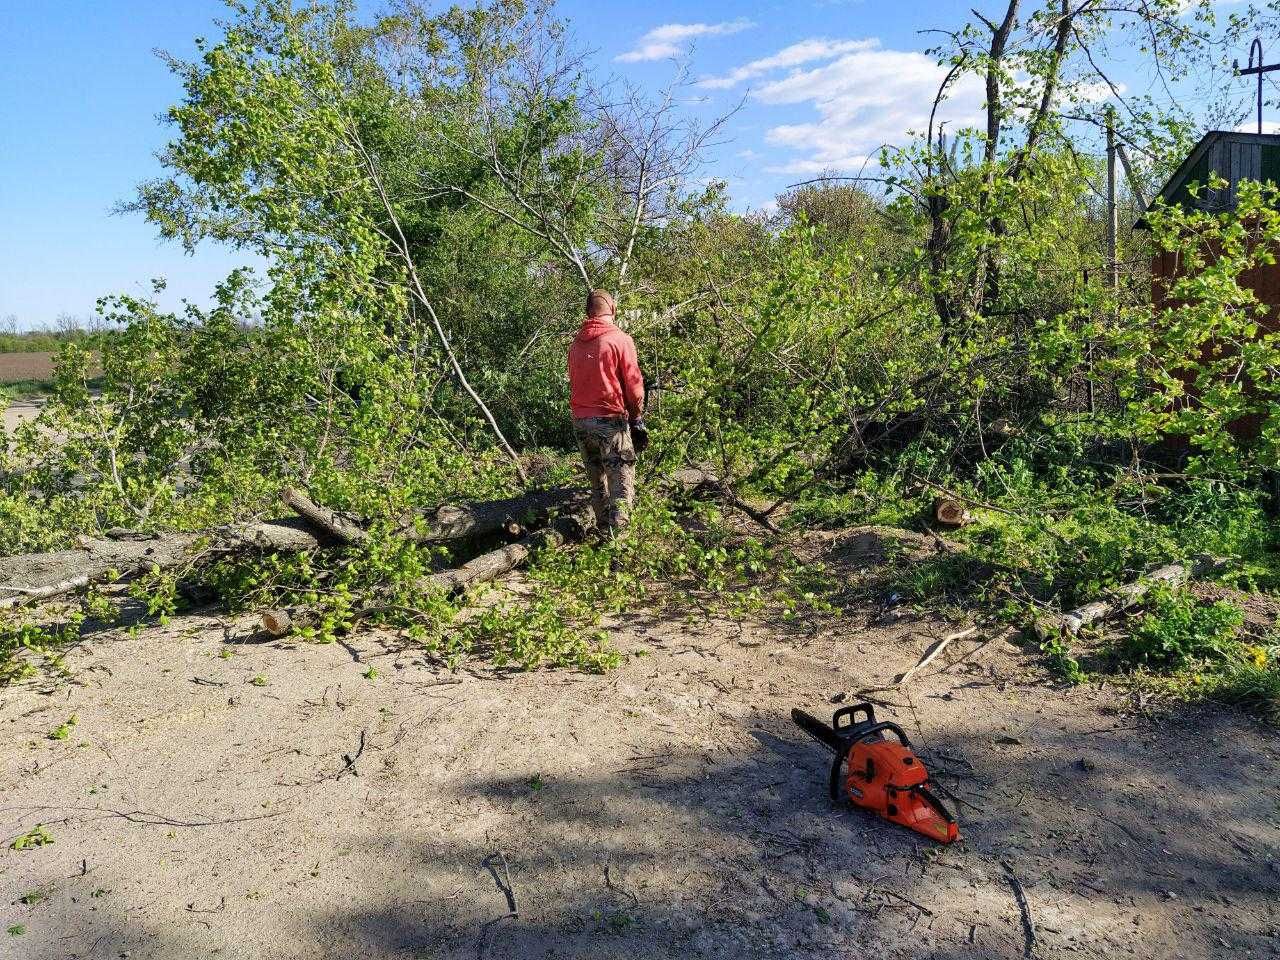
<point x="1176" y="631"/>
<point x="63" y="730"/>
<point x="37" y="836"/>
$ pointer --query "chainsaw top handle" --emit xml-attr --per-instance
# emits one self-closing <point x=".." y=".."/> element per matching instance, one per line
<point x="858" y="735"/>
<point x="849" y="713"/>
<point x="855" y="723"/>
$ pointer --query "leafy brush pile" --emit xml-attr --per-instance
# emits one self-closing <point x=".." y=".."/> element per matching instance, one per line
<point x="557" y="619"/>
<point x="432" y="194"/>
<point x="1195" y="648"/>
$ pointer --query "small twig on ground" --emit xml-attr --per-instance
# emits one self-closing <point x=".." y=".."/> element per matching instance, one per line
<point x="143" y="817"/>
<point x="504" y="882"/>
<point x="355" y="654"/>
<point x="1028" y="925"/>
<point x="873" y="887"/>
<point x="222" y="905"/>
<point x="351" y="759"/>
<point x="865" y="695"/>
<point x="608" y="881"/>
<point x="932" y="653"/>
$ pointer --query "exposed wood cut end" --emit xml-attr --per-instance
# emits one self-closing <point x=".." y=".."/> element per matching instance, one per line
<point x="277" y="622"/>
<point x="950" y="513"/>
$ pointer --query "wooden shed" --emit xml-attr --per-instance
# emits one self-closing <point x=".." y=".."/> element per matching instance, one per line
<point x="1234" y="157"/>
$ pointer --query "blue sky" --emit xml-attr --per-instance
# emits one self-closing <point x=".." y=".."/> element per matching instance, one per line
<point x="826" y="82"/>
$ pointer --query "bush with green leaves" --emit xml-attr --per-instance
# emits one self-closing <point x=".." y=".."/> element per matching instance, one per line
<point x="1176" y="630"/>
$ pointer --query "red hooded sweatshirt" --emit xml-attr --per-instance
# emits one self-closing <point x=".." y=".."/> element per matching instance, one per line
<point x="604" y="375"/>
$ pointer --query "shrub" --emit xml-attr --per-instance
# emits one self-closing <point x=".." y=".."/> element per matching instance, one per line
<point x="1178" y="631"/>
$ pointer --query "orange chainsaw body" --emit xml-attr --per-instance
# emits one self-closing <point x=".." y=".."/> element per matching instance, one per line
<point x="880" y="774"/>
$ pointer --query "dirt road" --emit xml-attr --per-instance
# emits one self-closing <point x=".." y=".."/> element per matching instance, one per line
<point x="279" y="803"/>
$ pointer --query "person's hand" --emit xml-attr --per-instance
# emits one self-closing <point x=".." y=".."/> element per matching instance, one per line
<point x="639" y="435"/>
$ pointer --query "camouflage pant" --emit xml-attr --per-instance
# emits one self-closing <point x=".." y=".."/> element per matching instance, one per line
<point x="611" y="467"/>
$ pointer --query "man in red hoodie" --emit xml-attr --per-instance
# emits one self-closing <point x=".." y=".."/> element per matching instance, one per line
<point x="606" y="396"/>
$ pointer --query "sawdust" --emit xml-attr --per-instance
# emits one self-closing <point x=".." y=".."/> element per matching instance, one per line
<point x="668" y="809"/>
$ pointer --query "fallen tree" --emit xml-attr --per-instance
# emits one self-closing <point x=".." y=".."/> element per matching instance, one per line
<point x="124" y="553"/>
<point x="41" y="576"/>
<point x="489" y="566"/>
<point x="127" y="553"/>
<point x="1124" y="597"/>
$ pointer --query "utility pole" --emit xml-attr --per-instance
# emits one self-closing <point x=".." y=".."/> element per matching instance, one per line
<point x="1113" y="211"/>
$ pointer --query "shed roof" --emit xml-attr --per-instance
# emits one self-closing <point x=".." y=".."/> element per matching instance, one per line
<point x="1234" y="156"/>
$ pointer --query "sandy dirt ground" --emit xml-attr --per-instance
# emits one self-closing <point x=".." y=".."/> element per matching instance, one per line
<point x="279" y="803"/>
<point x="20" y="411"/>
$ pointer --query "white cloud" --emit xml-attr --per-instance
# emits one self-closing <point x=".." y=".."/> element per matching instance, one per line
<point x="671" y="39"/>
<point x="1096" y="91"/>
<point x="806" y="51"/>
<point x="1251" y="126"/>
<point x="864" y="99"/>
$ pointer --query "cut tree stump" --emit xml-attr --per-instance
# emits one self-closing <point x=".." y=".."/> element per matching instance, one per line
<point x="950" y="513"/>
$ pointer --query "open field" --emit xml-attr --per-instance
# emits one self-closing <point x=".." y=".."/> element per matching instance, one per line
<point x="221" y="795"/>
<point x="17" y="367"/>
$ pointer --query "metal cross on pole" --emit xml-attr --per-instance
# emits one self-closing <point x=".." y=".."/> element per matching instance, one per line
<point x="1259" y="68"/>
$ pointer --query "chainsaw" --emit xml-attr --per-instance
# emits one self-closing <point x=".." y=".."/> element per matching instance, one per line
<point x="879" y="773"/>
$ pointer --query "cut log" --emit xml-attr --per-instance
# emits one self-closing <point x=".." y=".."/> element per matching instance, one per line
<point x="491" y="565"/>
<point x="331" y="522"/>
<point x="1124" y="597"/>
<point x="277" y="622"/>
<point x="950" y="513"/>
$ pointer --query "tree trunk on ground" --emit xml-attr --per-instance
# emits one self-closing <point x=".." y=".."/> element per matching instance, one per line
<point x="44" y="575"/>
<point x="333" y="523"/>
<point x="490" y="566"/>
<point x="41" y="576"/>
<point x="1124" y="597"/>
<point x="463" y="521"/>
